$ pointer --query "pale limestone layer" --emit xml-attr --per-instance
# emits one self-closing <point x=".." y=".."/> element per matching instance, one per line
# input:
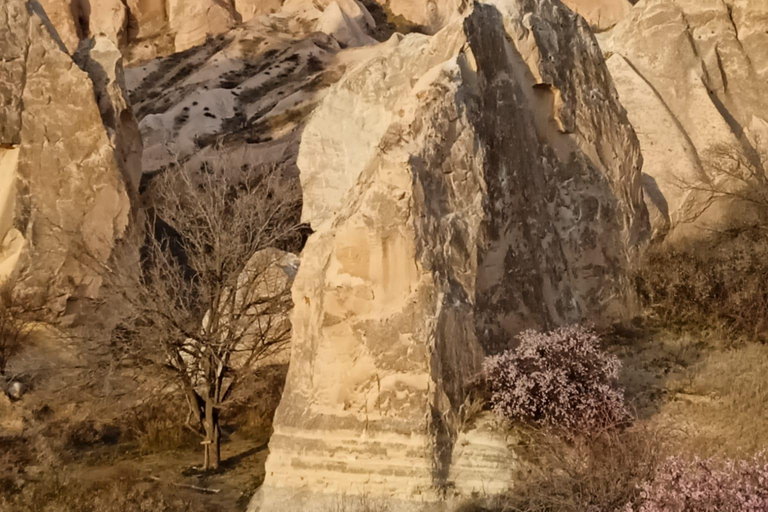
<point x="461" y="187"/>
<point x="64" y="195"/>
<point x="691" y="75"/>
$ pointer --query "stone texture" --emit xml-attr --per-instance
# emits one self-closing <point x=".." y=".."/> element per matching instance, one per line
<point x="690" y="77"/>
<point x="600" y="14"/>
<point x="102" y="60"/>
<point x="64" y="192"/>
<point x="193" y="21"/>
<point x="147" y="29"/>
<point x="75" y="20"/>
<point x="461" y="187"/>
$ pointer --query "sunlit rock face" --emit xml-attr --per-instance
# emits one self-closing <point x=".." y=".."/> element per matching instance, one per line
<point x="692" y="74"/>
<point x="63" y="185"/>
<point x="461" y="187"/>
<point x="600" y="14"/>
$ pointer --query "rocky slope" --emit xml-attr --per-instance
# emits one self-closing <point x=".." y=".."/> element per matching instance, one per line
<point x="461" y="187"/>
<point x="692" y="74"/>
<point x="68" y="148"/>
<point x="248" y="92"/>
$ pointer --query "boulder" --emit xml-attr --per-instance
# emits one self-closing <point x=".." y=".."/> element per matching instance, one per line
<point x="63" y="188"/>
<point x="691" y="76"/>
<point x="461" y="187"/>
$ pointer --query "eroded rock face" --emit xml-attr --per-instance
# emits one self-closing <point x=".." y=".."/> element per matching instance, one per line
<point x="63" y="189"/>
<point x="600" y="14"/>
<point x="429" y="15"/>
<point x="691" y="76"/>
<point x="461" y="187"/>
<point x="76" y="20"/>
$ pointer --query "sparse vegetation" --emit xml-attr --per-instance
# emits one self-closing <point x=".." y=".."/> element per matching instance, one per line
<point x="192" y="303"/>
<point x="718" y="284"/>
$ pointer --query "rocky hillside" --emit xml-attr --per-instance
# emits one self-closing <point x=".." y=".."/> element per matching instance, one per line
<point x="247" y="91"/>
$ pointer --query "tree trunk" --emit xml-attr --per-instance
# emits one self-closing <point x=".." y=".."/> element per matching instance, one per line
<point x="212" y="443"/>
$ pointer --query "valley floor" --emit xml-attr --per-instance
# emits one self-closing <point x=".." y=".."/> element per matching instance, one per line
<point x="707" y="393"/>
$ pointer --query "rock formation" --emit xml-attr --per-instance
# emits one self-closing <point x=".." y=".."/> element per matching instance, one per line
<point x="62" y="187"/>
<point x="461" y="187"/>
<point x="146" y="29"/>
<point x="75" y="20"/>
<point x="431" y="15"/>
<point x="691" y="75"/>
<point x="600" y="14"/>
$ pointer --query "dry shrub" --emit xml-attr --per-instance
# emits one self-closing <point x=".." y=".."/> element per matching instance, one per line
<point x="253" y="408"/>
<point x="599" y="473"/>
<point x="155" y="428"/>
<point x="719" y="284"/>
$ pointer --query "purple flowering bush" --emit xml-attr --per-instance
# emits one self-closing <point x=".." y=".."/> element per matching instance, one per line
<point x="559" y="379"/>
<point x="706" y="485"/>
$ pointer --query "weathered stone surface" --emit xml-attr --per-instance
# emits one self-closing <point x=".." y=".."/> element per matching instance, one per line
<point x="600" y="14"/>
<point x="63" y="190"/>
<point x="75" y="20"/>
<point x="430" y="15"/>
<point x="195" y="20"/>
<point x="147" y="29"/>
<point x="461" y="187"/>
<point x="102" y="60"/>
<point x="690" y="77"/>
<point x="249" y="9"/>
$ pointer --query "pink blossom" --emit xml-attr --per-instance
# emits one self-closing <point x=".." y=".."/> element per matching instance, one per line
<point x="558" y="379"/>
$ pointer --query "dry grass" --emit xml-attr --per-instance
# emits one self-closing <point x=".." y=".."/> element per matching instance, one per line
<point x="711" y="390"/>
<point x="57" y="493"/>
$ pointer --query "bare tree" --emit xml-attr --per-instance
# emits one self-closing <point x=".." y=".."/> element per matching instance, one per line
<point x="199" y="301"/>
<point x="733" y="171"/>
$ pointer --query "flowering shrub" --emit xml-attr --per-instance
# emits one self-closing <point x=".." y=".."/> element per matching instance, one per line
<point x="707" y="485"/>
<point x="558" y="379"/>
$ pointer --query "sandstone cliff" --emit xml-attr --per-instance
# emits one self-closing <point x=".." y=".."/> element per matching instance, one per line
<point x="461" y="187"/>
<point x="692" y="74"/>
<point x="63" y="186"/>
